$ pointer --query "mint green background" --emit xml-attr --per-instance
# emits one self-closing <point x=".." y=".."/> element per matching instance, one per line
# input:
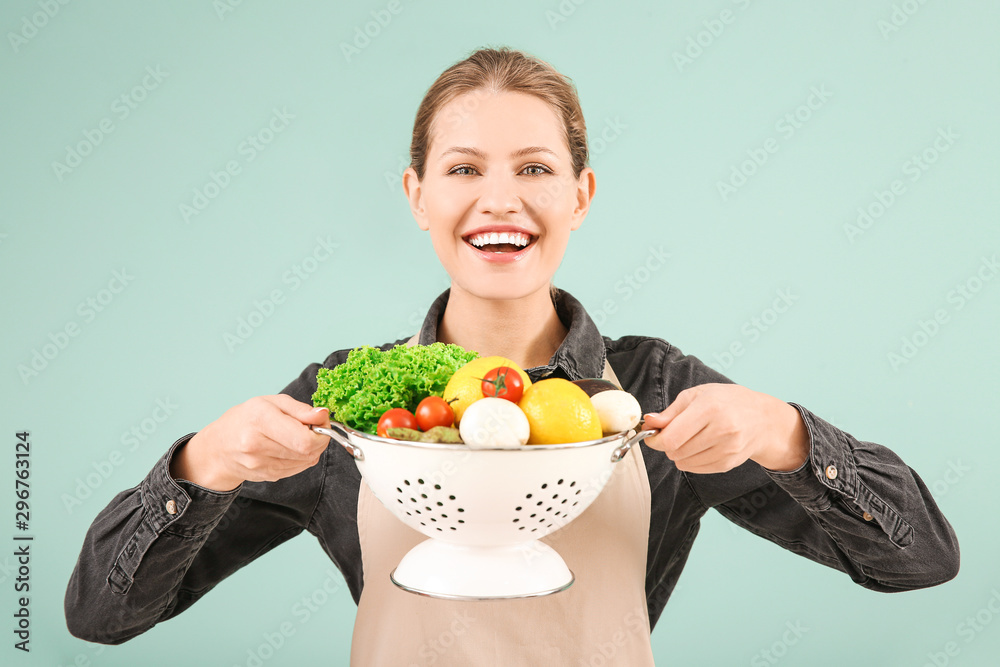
<point x="335" y="171"/>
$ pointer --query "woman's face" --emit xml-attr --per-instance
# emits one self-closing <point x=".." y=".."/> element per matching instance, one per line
<point x="498" y="195"/>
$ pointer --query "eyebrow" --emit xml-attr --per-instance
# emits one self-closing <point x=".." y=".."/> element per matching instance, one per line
<point x="521" y="152"/>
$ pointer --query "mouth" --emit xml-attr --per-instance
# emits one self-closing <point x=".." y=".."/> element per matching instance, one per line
<point x="500" y="242"/>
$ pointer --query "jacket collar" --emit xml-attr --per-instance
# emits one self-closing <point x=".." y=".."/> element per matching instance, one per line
<point x="581" y="354"/>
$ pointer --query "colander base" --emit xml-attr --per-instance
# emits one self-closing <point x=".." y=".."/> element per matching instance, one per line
<point x="460" y="572"/>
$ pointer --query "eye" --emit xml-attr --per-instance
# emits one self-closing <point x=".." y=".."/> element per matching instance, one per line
<point x="543" y="169"/>
<point x="467" y="170"/>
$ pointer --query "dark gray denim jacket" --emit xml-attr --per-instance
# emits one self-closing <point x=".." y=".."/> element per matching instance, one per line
<point x="854" y="505"/>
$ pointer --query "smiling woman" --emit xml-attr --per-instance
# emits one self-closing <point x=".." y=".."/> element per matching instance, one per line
<point x="499" y="179"/>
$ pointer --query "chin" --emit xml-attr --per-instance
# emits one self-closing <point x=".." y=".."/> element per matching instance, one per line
<point x="502" y="288"/>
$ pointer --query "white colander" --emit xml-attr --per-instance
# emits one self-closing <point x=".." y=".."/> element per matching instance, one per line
<point x="484" y="510"/>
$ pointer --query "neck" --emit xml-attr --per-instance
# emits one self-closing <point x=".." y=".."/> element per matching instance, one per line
<point x="527" y="330"/>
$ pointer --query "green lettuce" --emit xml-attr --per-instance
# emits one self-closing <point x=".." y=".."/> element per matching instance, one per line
<point x="371" y="381"/>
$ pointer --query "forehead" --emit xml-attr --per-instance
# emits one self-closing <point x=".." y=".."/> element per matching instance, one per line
<point x="488" y="120"/>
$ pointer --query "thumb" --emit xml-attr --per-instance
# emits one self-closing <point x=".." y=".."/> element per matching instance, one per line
<point x="317" y="416"/>
<point x="662" y="419"/>
<point x="303" y="412"/>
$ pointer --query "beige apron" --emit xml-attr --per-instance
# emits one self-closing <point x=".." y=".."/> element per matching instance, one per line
<point x="600" y="620"/>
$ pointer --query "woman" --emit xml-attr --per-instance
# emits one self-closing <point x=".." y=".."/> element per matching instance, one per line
<point x="498" y="177"/>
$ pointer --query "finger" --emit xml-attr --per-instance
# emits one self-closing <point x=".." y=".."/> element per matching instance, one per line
<point x="287" y="431"/>
<point x="674" y="437"/>
<point x="304" y="412"/>
<point x="711" y="460"/>
<point x="661" y="419"/>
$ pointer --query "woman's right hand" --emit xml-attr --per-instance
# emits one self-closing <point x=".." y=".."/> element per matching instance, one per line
<point x="265" y="439"/>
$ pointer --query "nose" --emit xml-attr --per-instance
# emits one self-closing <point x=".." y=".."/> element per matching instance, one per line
<point x="500" y="195"/>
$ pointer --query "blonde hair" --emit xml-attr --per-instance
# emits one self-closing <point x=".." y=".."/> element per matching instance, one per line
<point x="495" y="70"/>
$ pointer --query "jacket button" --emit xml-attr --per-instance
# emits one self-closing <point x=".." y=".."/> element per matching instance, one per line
<point x="831" y="472"/>
<point x="171" y="507"/>
<point x="866" y="516"/>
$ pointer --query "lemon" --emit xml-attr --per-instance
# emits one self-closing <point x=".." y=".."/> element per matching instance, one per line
<point x="466" y="385"/>
<point x="559" y="411"/>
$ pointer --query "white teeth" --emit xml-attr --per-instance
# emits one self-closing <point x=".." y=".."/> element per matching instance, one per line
<point x="493" y="238"/>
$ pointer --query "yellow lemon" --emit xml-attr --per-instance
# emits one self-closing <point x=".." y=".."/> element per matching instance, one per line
<point x="466" y="385"/>
<point x="559" y="411"/>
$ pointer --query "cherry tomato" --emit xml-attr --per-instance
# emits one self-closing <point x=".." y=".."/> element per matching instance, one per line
<point x="503" y="382"/>
<point x="434" y="411"/>
<point x="396" y="418"/>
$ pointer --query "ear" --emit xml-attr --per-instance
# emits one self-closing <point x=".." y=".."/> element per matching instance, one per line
<point x="414" y="193"/>
<point x="586" y="186"/>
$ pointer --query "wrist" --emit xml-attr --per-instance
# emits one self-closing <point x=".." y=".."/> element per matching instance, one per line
<point x="787" y="447"/>
<point x="191" y="462"/>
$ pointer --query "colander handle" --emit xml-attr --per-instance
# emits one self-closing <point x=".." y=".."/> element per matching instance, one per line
<point x="341" y="439"/>
<point x="622" y="449"/>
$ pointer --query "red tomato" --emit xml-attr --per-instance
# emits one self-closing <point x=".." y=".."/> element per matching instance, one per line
<point x="396" y="418"/>
<point x="434" y="411"/>
<point x="503" y="382"/>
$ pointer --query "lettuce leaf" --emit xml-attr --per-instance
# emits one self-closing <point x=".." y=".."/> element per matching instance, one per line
<point x="371" y="381"/>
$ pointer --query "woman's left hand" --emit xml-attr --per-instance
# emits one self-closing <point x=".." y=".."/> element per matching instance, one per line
<point x="713" y="428"/>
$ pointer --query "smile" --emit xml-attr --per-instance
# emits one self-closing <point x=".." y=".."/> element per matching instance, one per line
<point x="499" y="242"/>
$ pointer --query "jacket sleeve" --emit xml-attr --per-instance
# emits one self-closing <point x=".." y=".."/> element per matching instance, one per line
<point x="853" y="505"/>
<point x="159" y="546"/>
